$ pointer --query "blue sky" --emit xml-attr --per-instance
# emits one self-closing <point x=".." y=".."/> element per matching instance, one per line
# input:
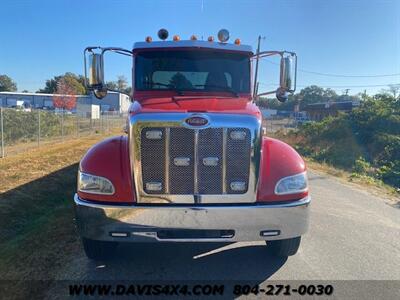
<point x="41" y="39"/>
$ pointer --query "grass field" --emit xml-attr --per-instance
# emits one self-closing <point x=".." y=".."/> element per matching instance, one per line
<point x="36" y="212"/>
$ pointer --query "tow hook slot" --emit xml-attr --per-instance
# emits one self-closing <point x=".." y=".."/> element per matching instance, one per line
<point x="167" y="234"/>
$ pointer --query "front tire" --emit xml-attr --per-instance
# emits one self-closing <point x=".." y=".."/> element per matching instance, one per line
<point x="284" y="248"/>
<point x="98" y="250"/>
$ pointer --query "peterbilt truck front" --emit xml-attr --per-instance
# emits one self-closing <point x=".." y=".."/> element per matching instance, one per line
<point x="195" y="165"/>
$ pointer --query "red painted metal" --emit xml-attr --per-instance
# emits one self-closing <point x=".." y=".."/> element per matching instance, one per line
<point x="110" y="159"/>
<point x="195" y="103"/>
<point x="278" y="160"/>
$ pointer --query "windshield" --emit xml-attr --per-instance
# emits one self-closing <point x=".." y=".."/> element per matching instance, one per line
<point x="192" y="71"/>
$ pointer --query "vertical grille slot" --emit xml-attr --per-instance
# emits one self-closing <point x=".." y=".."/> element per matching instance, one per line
<point x="209" y="154"/>
<point x="152" y="155"/>
<point x="237" y="159"/>
<point x="181" y="180"/>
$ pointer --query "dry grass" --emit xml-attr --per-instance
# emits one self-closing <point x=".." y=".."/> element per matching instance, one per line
<point x="375" y="187"/>
<point x="37" y="234"/>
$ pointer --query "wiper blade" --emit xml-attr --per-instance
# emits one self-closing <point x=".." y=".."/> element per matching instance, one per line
<point x="221" y="88"/>
<point x="169" y="86"/>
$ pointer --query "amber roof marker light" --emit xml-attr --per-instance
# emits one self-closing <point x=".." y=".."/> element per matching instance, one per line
<point x="210" y="39"/>
<point x="176" y="38"/>
<point x="223" y="35"/>
<point x="237" y="42"/>
<point x="148" y="39"/>
<point x="162" y="34"/>
<point x="193" y="38"/>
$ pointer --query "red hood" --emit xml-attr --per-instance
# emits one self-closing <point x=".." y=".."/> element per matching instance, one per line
<point x="196" y="103"/>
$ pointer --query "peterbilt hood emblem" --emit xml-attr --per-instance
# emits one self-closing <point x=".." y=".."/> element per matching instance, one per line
<point x="196" y="121"/>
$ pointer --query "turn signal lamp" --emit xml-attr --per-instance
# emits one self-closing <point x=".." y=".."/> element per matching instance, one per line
<point x="193" y="38"/>
<point x="237" y="42"/>
<point x="223" y="35"/>
<point x="210" y="39"/>
<point x="149" y="39"/>
<point x="176" y="38"/>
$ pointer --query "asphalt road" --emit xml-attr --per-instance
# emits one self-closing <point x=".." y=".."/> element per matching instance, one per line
<point x="354" y="235"/>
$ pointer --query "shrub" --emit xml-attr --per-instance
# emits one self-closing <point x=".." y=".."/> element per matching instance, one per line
<point x="366" y="140"/>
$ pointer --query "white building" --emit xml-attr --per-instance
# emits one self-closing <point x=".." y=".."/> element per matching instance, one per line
<point x="112" y="102"/>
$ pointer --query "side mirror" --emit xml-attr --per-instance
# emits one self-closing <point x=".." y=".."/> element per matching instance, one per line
<point x="96" y="71"/>
<point x="94" y="79"/>
<point x="287" y="82"/>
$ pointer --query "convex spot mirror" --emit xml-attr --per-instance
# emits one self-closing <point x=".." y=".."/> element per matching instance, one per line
<point x="100" y="93"/>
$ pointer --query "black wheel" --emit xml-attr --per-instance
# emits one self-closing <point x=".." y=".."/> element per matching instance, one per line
<point x="98" y="250"/>
<point x="284" y="248"/>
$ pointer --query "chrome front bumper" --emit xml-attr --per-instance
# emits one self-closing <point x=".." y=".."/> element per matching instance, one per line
<point x="139" y="223"/>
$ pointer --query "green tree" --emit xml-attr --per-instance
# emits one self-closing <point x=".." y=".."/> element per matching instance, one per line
<point x="75" y="82"/>
<point x="7" y="84"/>
<point x="121" y="84"/>
<point x="308" y="95"/>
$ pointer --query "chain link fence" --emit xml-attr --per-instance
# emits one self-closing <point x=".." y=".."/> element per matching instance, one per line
<point x="21" y="130"/>
<point x="273" y="125"/>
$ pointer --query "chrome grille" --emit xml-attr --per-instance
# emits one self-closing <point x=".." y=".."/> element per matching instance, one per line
<point x="210" y="147"/>
<point x="153" y="158"/>
<point x="237" y="159"/>
<point x="181" y="146"/>
<point x="195" y="161"/>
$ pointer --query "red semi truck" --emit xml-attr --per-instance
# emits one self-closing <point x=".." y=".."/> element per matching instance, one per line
<point x="195" y="165"/>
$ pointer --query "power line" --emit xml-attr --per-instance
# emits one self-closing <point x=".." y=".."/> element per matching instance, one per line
<point x="339" y="75"/>
<point x="349" y="76"/>
<point x="337" y="86"/>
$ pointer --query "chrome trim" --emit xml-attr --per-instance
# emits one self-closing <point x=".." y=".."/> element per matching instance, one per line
<point x="97" y="221"/>
<point x="167" y="162"/>
<point x="224" y="142"/>
<point x="158" y="186"/>
<point x="210" y="161"/>
<point x="154" y="135"/>
<point x="181" y="162"/>
<point x="205" y="207"/>
<point x="196" y="158"/>
<point x="169" y="120"/>
<point x="234" y="185"/>
<point x="238" y="135"/>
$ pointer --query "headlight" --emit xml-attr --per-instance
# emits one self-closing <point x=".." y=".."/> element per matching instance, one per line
<point x="94" y="184"/>
<point x="292" y="184"/>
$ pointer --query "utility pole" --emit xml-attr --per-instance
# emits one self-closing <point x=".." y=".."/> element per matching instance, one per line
<point x="256" y="69"/>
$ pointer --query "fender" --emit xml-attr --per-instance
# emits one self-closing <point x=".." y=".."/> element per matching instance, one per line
<point x="278" y="160"/>
<point x="110" y="159"/>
